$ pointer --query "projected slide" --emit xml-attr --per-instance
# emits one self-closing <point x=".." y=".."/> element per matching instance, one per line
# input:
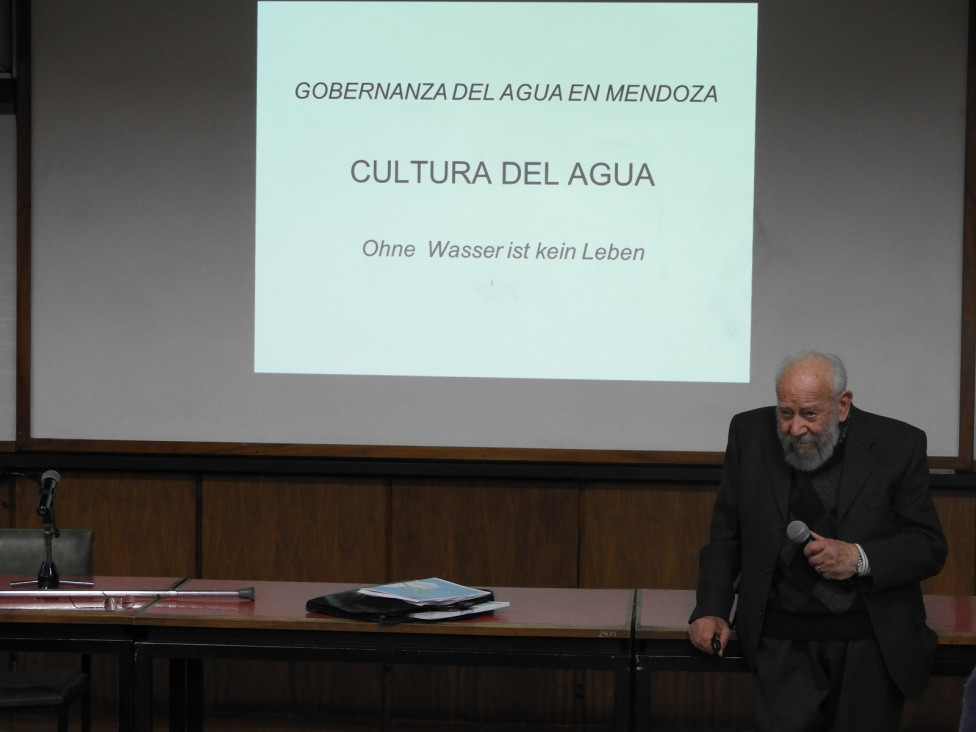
<point x="505" y="189"/>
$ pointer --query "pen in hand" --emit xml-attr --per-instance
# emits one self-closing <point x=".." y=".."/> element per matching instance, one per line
<point x="716" y="645"/>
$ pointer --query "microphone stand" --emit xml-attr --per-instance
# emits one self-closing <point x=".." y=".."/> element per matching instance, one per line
<point x="48" y="577"/>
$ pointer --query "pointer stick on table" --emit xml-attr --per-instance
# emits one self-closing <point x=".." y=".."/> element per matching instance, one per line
<point x="244" y="593"/>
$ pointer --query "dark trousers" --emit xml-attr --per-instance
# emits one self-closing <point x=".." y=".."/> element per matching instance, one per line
<point x="824" y="686"/>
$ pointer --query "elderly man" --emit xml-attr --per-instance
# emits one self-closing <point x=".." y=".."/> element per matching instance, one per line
<point x="834" y="628"/>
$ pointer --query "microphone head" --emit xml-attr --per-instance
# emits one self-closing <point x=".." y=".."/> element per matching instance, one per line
<point x="798" y="532"/>
<point x="45" y="496"/>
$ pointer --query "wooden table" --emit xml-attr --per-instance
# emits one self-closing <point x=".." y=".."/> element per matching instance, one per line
<point x="558" y="628"/>
<point x="631" y="633"/>
<point x="51" y="623"/>
<point x="953" y="618"/>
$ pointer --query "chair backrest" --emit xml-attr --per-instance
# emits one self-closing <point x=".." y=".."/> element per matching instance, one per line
<point x="22" y="551"/>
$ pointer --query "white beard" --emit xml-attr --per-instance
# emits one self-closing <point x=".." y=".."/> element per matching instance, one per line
<point x="808" y="460"/>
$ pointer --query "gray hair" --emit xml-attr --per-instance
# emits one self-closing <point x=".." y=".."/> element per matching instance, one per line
<point x="838" y="370"/>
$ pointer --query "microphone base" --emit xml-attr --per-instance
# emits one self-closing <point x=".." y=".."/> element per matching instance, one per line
<point x="47" y="577"/>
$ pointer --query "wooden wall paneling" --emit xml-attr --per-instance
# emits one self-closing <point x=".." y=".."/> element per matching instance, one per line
<point x="489" y="696"/>
<point x="957" y="511"/>
<point x="145" y="524"/>
<point x="647" y="535"/>
<point x="712" y="701"/>
<point x="299" y="689"/>
<point x="7" y="488"/>
<point x="938" y="709"/>
<point x="482" y="533"/>
<point x="294" y="529"/>
<point x="643" y="535"/>
<point x="694" y="700"/>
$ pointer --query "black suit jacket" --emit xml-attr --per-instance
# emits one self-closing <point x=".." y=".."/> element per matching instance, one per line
<point x="883" y="504"/>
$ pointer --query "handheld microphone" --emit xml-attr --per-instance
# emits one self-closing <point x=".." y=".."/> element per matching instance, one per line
<point x="45" y="499"/>
<point x="799" y="533"/>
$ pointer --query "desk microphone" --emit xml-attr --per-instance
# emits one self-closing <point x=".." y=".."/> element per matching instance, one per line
<point x="48" y="577"/>
<point x="49" y="484"/>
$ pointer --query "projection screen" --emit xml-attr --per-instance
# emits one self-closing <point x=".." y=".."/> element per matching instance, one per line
<point x="590" y="226"/>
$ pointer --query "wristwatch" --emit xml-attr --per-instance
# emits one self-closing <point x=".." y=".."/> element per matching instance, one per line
<point x="860" y="561"/>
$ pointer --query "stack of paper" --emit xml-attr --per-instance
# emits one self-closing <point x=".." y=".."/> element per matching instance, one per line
<point x="482" y="608"/>
<point x="427" y="592"/>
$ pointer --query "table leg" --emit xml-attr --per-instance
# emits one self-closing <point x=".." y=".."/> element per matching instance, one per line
<point x="127" y="690"/>
<point x="642" y="698"/>
<point x="177" y="694"/>
<point x="185" y="695"/>
<point x="622" y="694"/>
<point x="142" y="674"/>
<point x="194" y="695"/>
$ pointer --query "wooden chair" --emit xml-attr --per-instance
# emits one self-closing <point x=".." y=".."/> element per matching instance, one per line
<point x="22" y="552"/>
